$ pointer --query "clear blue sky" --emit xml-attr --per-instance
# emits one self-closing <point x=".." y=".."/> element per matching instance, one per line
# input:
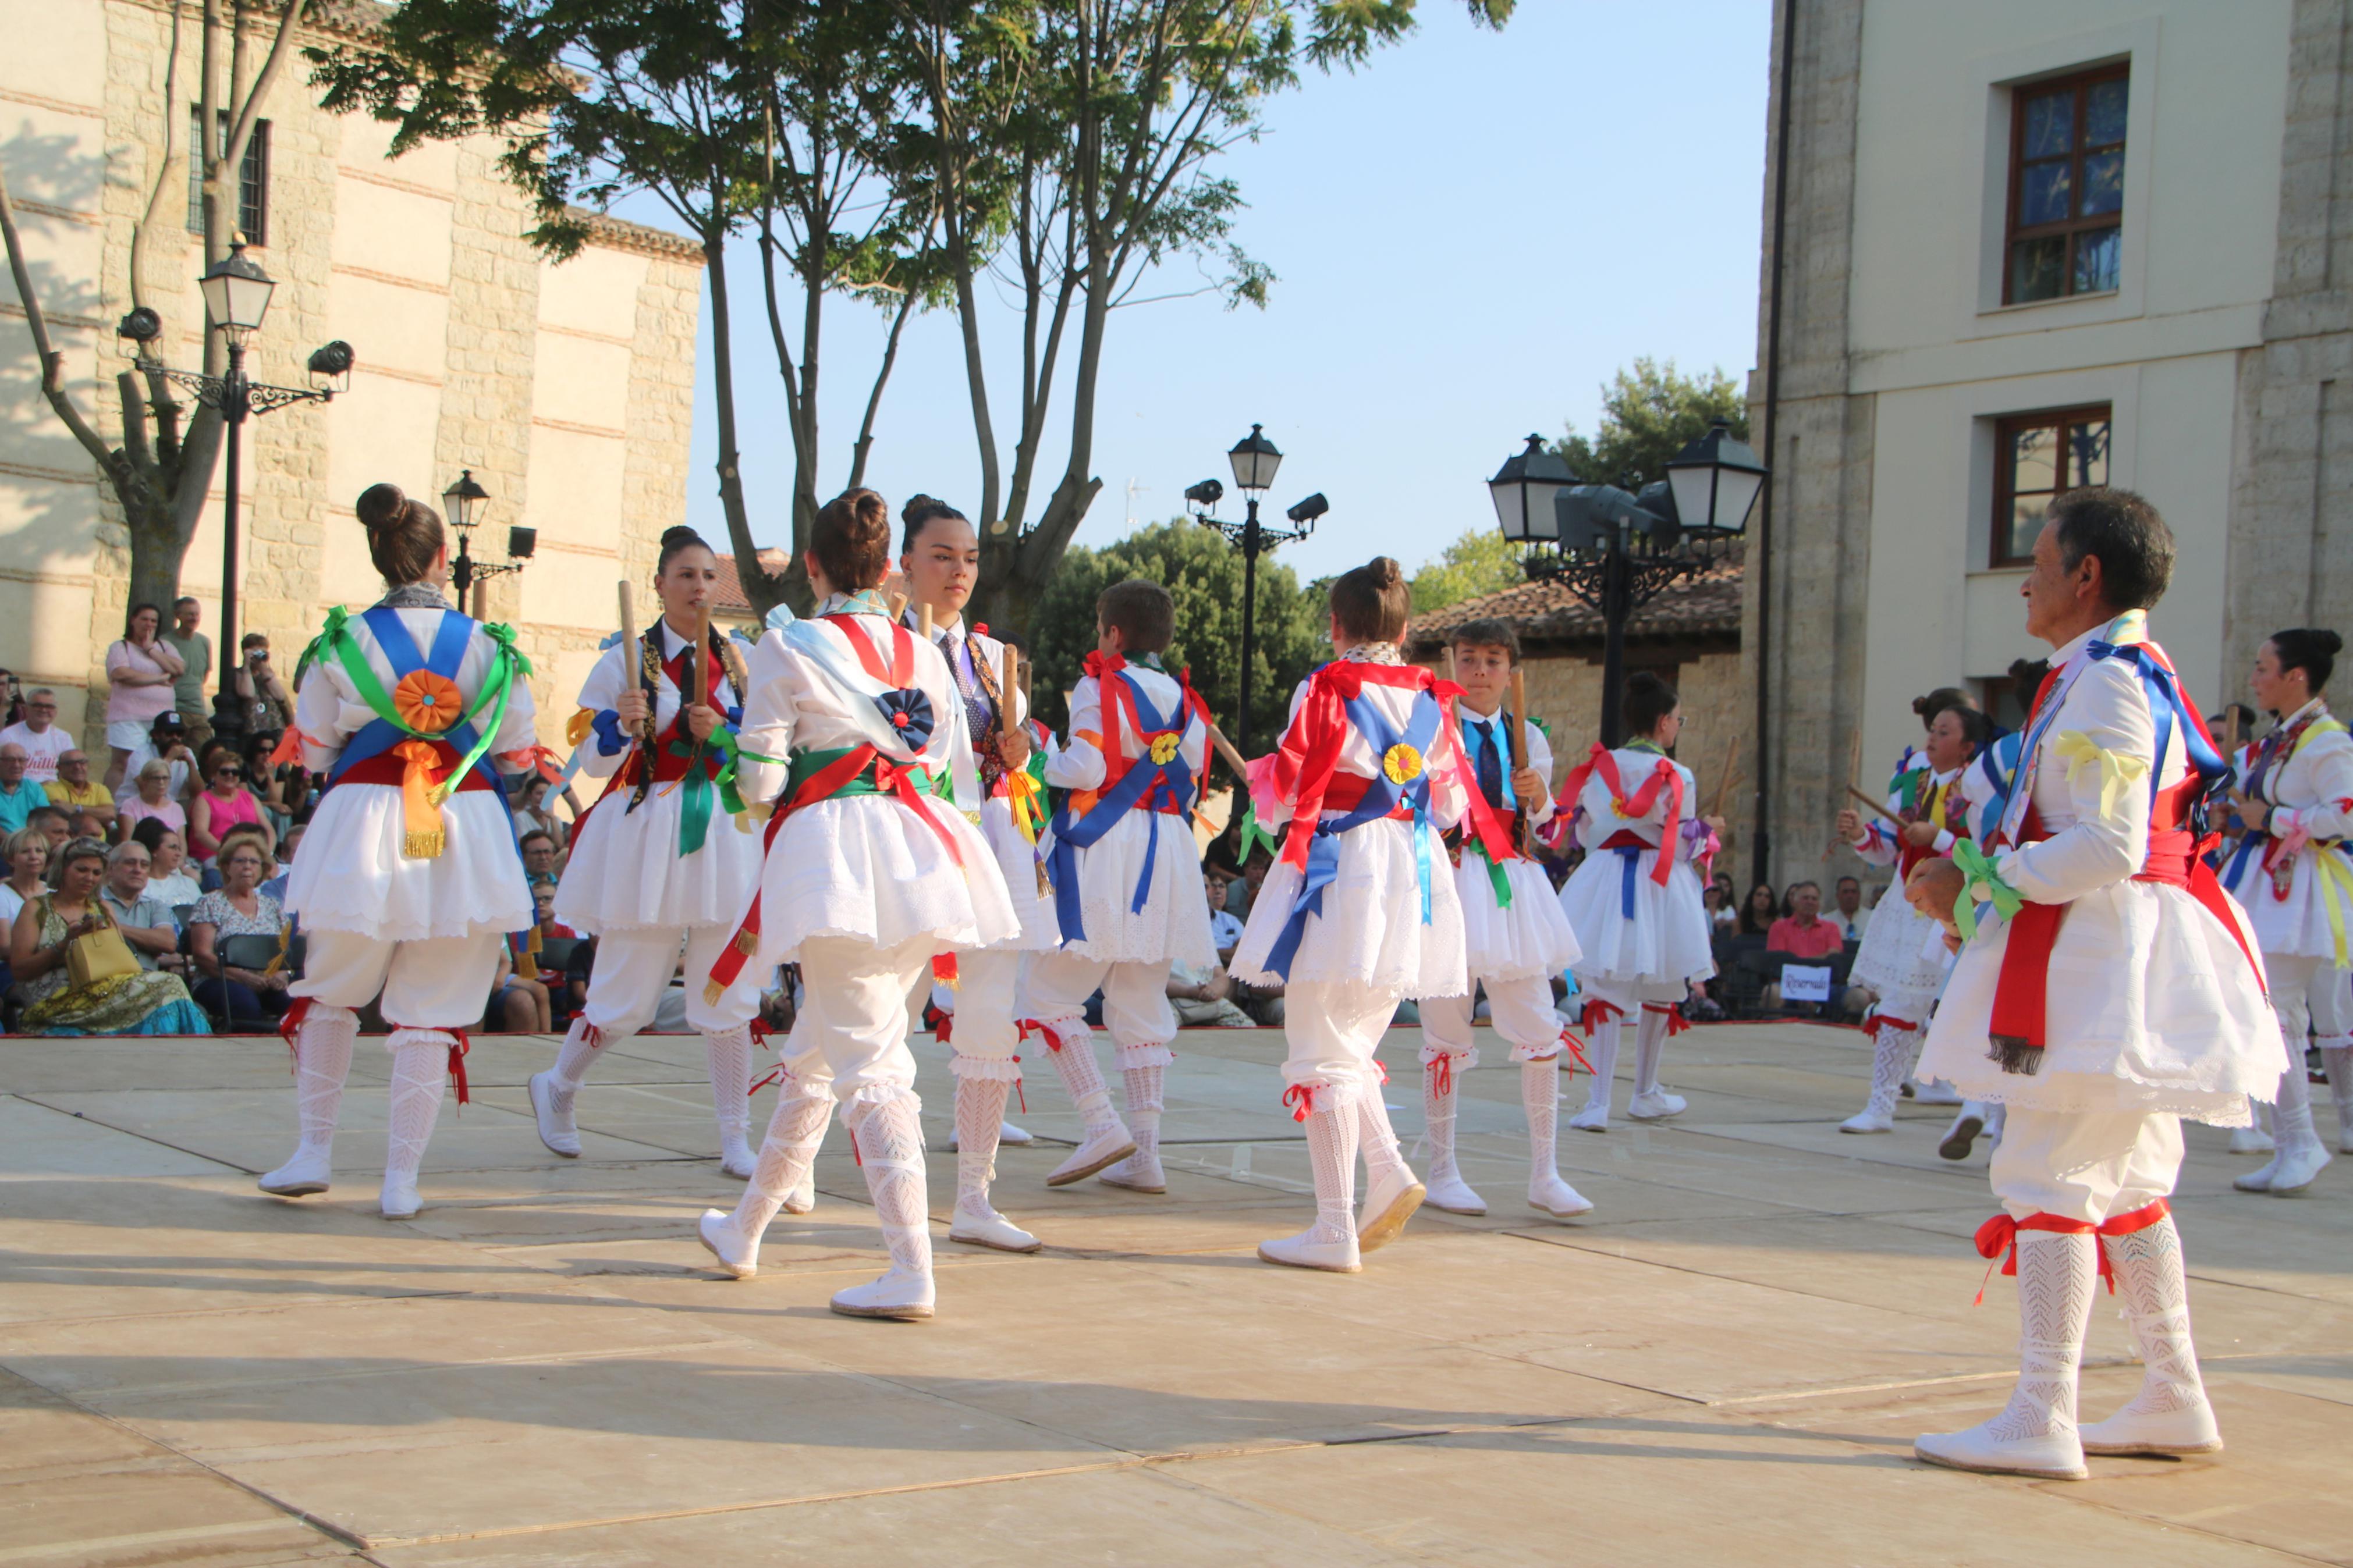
<point x="1470" y="235"/>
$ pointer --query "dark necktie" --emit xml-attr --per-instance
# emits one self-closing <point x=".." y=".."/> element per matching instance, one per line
<point x="1491" y="762"/>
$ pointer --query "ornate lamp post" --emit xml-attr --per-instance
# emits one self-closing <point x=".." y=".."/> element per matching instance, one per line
<point x="236" y="297"/>
<point x="1254" y="461"/>
<point x="1618" y="551"/>
<point x="462" y="504"/>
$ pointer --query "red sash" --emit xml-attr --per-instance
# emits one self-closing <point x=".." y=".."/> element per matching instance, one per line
<point x="391" y="767"/>
<point x="1602" y="762"/>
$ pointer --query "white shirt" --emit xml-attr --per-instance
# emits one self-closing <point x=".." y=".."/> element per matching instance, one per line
<point x="1225" y="930"/>
<point x="43" y="749"/>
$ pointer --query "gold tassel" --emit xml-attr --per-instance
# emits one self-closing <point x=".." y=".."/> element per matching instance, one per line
<point x="423" y="846"/>
<point x="420" y="809"/>
<point x="712" y="991"/>
<point x="747" y="942"/>
<point x="528" y="968"/>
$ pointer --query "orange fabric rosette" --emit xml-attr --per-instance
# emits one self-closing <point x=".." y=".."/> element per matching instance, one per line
<point x="427" y="702"/>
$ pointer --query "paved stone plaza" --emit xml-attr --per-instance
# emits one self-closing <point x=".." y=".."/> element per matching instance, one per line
<point x="1725" y="1364"/>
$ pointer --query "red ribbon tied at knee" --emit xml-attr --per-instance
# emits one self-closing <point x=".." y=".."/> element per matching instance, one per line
<point x="1998" y="1237"/>
<point x="290" y="1028"/>
<point x="1596" y="1012"/>
<point x="1301" y="1098"/>
<point x="1676" y="1022"/>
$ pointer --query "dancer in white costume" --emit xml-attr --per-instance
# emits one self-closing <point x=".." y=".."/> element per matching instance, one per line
<point x="1634" y="902"/>
<point x="940" y="554"/>
<point x="1902" y="956"/>
<point x="1991" y="774"/>
<point x="1358" y="912"/>
<point x="659" y="866"/>
<point x="2109" y="987"/>
<point x="850" y="721"/>
<point x="1518" y="939"/>
<point x="1126" y="876"/>
<point x="408" y="879"/>
<point x="2291" y="873"/>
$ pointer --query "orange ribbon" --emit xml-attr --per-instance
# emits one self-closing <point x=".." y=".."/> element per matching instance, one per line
<point x="423" y="835"/>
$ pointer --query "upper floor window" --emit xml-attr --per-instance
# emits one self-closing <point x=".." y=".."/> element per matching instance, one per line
<point x="252" y="214"/>
<point x="2036" y="458"/>
<point x="2066" y="185"/>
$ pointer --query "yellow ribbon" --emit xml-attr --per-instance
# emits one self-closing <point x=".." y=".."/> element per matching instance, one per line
<point x="1023" y="795"/>
<point x="580" y="724"/>
<point x="2328" y="863"/>
<point x="423" y="835"/>
<point x="2118" y="771"/>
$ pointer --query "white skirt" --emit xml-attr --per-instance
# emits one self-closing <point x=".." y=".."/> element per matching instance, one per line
<point x="865" y="867"/>
<point x="1531" y="938"/>
<point x="1665" y="942"/>
<point x="1017" y="861"/>
<point x="1370" y="933"/>
<point x="351" y="875"/>
<point x="625" y="872"/>
<point x="1173" y="924"/>
<point x="2299" y="924"/>
<point x="2152" y="1007"/>
<point x="1902" y="957"/>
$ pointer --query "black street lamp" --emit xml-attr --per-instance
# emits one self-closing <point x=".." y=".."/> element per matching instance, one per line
<point x="1617" y="550"/>
<point x="462" y="503"/>
<point x="1254" y="461"/>
<point x="236" y="297"/>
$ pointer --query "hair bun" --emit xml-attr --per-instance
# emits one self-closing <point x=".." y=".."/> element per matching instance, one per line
<point x="678" y="536"/>
<point x="1920" y="706"/>
<point x="1385" y="572"/>
<point x="2330" y="641"/>
<point x="380" y="506"/>
<point x="917" y="508"/>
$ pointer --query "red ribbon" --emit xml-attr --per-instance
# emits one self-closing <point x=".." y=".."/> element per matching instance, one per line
<point x="1882" y="1023"/>
<point x="1028" y="1026"/>
<point x="1301" y="1098"/>
<point x="1442" y="1074"/>
<point x="289" y="1026"/>
<point x="1998" y="1236"/>
<point x="1676" y="1022"/>
<point x="1568" y="1042"/>
<point x="1596" y="1012"/>
<point x="1603" y="762"/>
<point x="944" y="964"/>
<point x="458" y="1046"/>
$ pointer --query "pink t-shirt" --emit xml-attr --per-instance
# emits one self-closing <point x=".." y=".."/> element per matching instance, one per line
<point x="131" y="809"/>
<point x="234" y="812"/>
<point x="134" y="704"/>
<point x="1818" y="940"/>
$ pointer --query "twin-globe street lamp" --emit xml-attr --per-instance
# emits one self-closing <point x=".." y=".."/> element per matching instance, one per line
<point x="1254" y="461"/>
<point x="236" y="297"/>
<point x="1617" y="550"/>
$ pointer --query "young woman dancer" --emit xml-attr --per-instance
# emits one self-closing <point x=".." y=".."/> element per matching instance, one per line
<point x="1902" y="957"/>
<point x="850" y="720"/>
<point x="1634" y="902"/>
<point x="940" y="556"/>
<point x="2292" y="874"/>
<point x="1358" y="912"/>
<point x="408" y="880"/>
<point x="659" y="863"/>
<point x="1519" y="938"/>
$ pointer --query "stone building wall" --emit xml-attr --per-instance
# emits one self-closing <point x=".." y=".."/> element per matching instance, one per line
<point x="567" y="390"/>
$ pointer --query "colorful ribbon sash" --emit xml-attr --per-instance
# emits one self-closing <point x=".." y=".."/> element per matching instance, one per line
<point x="1159" y="779"/>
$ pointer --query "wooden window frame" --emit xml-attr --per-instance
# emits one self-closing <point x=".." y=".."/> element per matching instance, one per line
<point x="2005" y="492"/>
<point x="252" y="216"/>
<point x="2014" y="233"/>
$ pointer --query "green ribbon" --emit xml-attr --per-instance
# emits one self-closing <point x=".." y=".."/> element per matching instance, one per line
<point x="1981" y="881"/>
<point x="694" y="812"/>
<point x="1496" y="878"/>
<point x="509" y="663"/>
<point x="1252" y="832"/>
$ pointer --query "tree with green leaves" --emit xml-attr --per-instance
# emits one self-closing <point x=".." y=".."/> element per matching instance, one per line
<point x="1481" y="561"/>
<point x="1072" y="142"/>
<point x="779" y="119"/>
<point x="1648" y="415"/>
<point x="1204" y="574"/>
<point x="161" y="474"/>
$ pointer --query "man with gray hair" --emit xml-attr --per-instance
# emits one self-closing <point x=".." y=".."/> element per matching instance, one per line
<point x="43" y="738"/>
<point x="145" y="921"/>
<point x="2106" y="987"/>
<point x="20" y="796"/>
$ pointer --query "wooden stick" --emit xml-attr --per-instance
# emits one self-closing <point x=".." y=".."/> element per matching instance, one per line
<point x="1731" y="767"/>
<point x="701" y="669"/>
<point x="1854" y="761"/>
<point x="629" y="636"/>
<point x="1007" y="681"/>
<point x="1870" y="805"/>
<point x="2230" y="731"/>
<point x="1226" y="750"/>
<point x="898" y="605"/>
<point x="1518" y="727"/>
<point x="922" y="620"/>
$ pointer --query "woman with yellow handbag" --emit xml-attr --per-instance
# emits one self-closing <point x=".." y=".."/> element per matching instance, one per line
<point x="81" y="978"/>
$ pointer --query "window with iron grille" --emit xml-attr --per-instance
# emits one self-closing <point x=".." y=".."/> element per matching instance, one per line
<point x="2066" y="186"/>
<point x="252" y="214"/>
<point x="2038" y="457"/>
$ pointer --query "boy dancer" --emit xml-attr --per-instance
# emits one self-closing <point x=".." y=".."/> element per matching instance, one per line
<point x="1517" y="936"/>
<point x="2109" y="987"/>
<point x="1127" y="882"/>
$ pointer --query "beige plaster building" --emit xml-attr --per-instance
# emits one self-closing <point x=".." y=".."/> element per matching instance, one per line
<point x="2029" y="246"/>
<point x="1690" y="634"/>
<point x="568" y="390"/>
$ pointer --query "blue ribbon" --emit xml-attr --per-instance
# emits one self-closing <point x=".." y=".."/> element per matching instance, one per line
<point x="451" y="640"/>
<point x="609" y="739"/>
<point x="2168" y="707"/>
<point x="1380" y="799"/>
<point x="1630" y="857"/>
<point x="1072" y="836"/>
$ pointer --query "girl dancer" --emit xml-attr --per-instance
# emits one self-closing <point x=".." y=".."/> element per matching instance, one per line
<point x="1902" y="956"/>
<point x="1353" y="917"/>
<point x="2292" y="875"/>
<point x="940" y="554"/>
<point x="1127" y="883"/>
<point x="1634" y="902"/>
<point x="1518" y="937"/>
<point x="659" y="863"/>
<point x="849" y="721"/>
<point x="408" y="880"/>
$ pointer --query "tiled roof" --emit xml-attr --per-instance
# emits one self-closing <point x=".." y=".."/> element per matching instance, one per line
<point x="1707" y="607"/>
<point x="730" y="599"/>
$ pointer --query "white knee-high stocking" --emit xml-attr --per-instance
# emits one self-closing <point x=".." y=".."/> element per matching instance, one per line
<point x="729" y="1053"/>
<point x="2056" y="1274"/>
<point x="1650" y="1046"/>
<point x="794" y="1130"/>
<point x="420" y="1066"/>
<point x="2156" y="1291"/>
<point x="890" y="1137"/>
<point x="1602" y="1050"/>
<point x="1378" y="1139"/>
<point x="1144" y="1087"/>
<point x="979" y="1118"/>
<point x="1332" y="1136"/>
<point x="323" y="1060"/>
<point x="583" y="1043"/>
<point x="1073" y="1046"/>
<point x="1540" y="1096"/>
<point x="2340" y="1060"/>
<point x="1441" y="1089"/>
<point x="1891" y="1056"/>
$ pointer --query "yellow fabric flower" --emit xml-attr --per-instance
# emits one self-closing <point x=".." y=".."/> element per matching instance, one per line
<point x="2118" y="771"/>
<point x="1401" y="762"/>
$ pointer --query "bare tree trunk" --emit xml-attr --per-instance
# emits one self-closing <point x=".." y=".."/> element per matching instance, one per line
<point x="874" y="399"/>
